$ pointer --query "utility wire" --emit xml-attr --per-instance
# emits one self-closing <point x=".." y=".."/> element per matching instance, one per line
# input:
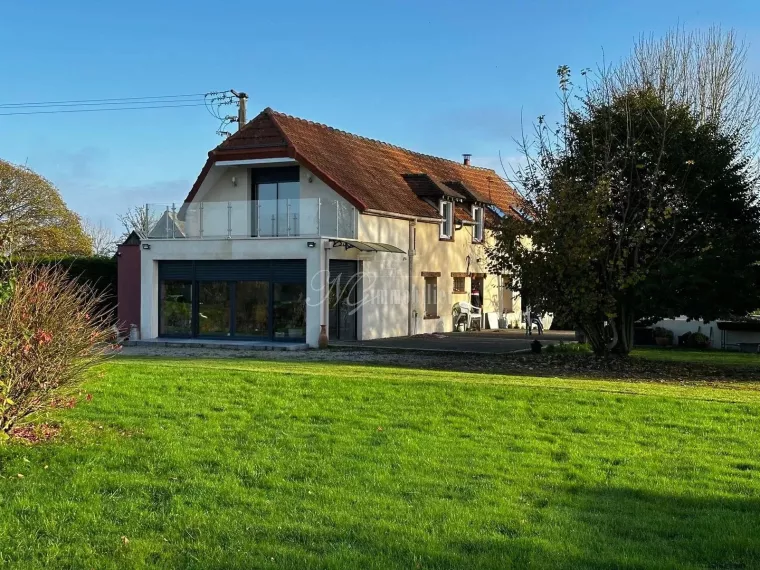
<point x="104" y="101"/>
<point x="103" y="104"/>
<point x="102" y="109"/>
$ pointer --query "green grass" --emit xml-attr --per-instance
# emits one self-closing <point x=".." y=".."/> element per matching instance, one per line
<point x="711" y="357"/>
<point x="254" y="464"/>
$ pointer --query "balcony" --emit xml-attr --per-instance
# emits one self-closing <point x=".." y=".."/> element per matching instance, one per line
<point x="306" y="217"/>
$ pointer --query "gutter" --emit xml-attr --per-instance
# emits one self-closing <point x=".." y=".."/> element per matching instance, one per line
<point x="383" y="213"/>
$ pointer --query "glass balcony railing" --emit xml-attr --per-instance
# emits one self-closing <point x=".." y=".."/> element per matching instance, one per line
<point x="307" y="217"/>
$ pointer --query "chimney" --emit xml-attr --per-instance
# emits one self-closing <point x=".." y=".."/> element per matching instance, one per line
<point x="467" y="159"/>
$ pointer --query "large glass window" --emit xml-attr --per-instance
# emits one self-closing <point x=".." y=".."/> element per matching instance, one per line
<point x="265" y="224"/>
<point x="176" y="308"/>
<point x="277" y="193"/>
<point x="213" y="308"/>
<point x="288" y="208"/>
<point x="252" y="308"/>
<point x="289" y="310"/>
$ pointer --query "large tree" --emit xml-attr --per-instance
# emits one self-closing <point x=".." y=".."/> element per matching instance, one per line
<point x="103" y="239"/>
<point x="640" y="209"/>
<point x="642" y="202"/>
<point x="34" y="219"/>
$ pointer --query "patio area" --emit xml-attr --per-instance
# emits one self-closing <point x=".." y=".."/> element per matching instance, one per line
<point x="501" y="341"/>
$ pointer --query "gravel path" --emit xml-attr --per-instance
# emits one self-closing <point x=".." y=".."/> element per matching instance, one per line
<point x="381" y="356"/>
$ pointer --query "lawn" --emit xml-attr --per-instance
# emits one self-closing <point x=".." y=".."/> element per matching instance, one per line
<point x="711" y="357"/>
<point x="239" y="463"/>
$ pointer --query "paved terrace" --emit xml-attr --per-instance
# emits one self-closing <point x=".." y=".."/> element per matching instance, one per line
<point x="486" y="342"/>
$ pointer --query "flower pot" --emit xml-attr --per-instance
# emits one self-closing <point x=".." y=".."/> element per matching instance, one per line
<point x="323" y="340"/>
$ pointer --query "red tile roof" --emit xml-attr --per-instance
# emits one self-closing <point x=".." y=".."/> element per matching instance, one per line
<point x="371" y="174"/>
<point x="462" y="213"/>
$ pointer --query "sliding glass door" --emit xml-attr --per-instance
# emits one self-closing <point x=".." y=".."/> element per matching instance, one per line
<point x="214" y="308"/>
<point x="254" y="299"/>
<point x="252" y="309"/>
<point x="176" y="309"/>
<point x="289" y="310"/>
<point x="276" y="194"/>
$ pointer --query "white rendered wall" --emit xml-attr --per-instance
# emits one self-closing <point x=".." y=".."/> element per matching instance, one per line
<point x="385" y="279"/>
<point x="681" y="326"/>
<point x="240" y="249"/>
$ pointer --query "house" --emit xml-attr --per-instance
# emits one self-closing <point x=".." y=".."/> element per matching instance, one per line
<point x="292" y="225"/>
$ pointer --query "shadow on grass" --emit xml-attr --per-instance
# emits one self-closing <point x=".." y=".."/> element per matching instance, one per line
<point x="564" y="365"/>
<point x="572" y="529"/>
<point x="629" y="528"/>
<point x="582" y="528"/>
<point x="557" y="365"/>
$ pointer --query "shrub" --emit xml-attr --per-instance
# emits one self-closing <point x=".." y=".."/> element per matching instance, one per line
<point x="52" y="328"/>
<point x="662" y="332"/>
<point x="569" y="348"/>
<point x="694" y="340"/>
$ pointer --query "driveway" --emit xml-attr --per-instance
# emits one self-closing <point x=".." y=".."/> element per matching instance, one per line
<point x="486" y="342"/>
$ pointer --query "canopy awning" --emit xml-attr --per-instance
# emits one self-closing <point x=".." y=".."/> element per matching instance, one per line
<point x="366" y="245"/>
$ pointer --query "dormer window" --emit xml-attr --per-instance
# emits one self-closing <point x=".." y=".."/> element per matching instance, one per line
<point x="447" y="223"/>
<point x="478" y="216"/>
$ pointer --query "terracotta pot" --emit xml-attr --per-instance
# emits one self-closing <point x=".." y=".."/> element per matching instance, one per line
<point x="323" y="340"/>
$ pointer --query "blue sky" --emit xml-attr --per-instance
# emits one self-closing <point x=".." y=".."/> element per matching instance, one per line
<point x="439" y="77"/>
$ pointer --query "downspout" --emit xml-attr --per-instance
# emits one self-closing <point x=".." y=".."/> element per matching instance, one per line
<point x="326" y="285"/>
<point x="412" y="252"/>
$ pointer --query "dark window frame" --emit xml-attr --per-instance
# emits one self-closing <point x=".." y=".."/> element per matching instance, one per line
<point x="190" y="275"/>
<point x="431" y="303"/>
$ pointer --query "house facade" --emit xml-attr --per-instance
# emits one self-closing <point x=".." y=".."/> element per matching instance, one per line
<point x="293" y="225"/>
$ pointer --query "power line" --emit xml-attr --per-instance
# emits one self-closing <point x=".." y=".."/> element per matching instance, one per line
<point x="103" y="104"/>
<point x="102" y="109"/>
<point x="84" y="101"/>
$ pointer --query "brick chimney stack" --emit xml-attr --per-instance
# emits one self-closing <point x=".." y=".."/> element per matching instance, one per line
<point x="467" y="159"/>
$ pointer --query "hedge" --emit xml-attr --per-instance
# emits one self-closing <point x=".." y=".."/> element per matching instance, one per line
<point x="98" y="272"/>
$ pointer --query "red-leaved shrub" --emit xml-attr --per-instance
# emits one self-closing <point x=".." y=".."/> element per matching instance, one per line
<point x="51" y="331"/>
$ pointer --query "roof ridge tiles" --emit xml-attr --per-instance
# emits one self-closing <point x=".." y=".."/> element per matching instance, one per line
<point x="378" y="141"/>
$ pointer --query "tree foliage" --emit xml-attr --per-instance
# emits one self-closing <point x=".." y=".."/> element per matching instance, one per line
<point x="638" y="207"/>
<point x="34" y="219"/>
<point x="104" y="241"/>
<point x="703" y="69"/>
<point x="141" y="219"/>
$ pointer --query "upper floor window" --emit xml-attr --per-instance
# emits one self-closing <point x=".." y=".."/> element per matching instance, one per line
<point x="477" y="215"/>
<point x="447" y="223"/>
<point x="276" y="192"/>
<point x="431" y="297"/>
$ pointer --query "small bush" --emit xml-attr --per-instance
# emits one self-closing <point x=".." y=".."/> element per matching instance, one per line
<point x="662" y="332"/>
<point x="52" y="328"/>
<point x="569" y="348"/>
<point x="694" y="340"/>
